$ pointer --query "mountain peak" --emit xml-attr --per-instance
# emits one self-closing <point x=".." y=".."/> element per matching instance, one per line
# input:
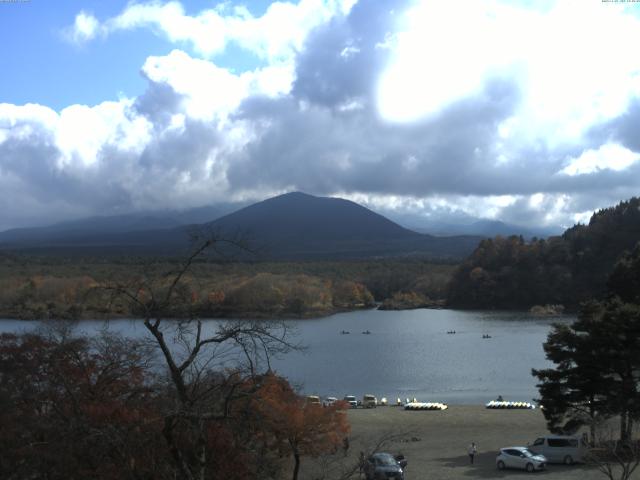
<point x="294" y="194"/>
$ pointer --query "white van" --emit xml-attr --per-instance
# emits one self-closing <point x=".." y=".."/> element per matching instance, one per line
<point x="369" y="401"/>
<point x="561" y="448"/>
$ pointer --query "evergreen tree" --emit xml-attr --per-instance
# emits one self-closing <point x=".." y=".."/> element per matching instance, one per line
<point x="597" y="358"/>
<point x="573" y="394"/>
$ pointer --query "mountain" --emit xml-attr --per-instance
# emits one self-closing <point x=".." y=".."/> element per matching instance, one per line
<point x="297" y="225"/>
<point x="291" y="226"/>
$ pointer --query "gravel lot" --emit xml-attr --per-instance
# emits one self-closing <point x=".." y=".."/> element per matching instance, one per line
<point x="435" y="443"/>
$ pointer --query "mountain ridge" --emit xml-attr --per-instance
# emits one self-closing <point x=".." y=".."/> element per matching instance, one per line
<point x="294" y="225"/>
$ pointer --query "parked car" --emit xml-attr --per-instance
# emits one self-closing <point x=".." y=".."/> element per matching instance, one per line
<point x="369" y="401"/>
<point x="381" y="466"/>
<point x="314" y="400"/>
<point x="330" y="401"/>
<point x="351" y="400"/>
<point x="520" y="457"/>
<point x="561" y="448"/>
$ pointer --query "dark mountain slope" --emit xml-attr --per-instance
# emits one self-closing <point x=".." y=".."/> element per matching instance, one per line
<point x="297" y="225"/>
<point x="298" y="215"/>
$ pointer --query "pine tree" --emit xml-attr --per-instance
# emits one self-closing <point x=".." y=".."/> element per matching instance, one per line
<point x="597" y="358"/>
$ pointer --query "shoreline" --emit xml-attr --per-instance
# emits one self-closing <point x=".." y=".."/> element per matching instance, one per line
<point x="281" y="316"/>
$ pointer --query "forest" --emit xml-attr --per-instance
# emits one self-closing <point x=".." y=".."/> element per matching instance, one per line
<point x="56" y="287"/>
<point x="511" y="273"/>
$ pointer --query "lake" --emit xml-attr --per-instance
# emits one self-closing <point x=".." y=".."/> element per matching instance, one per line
<point x="407" y="354"/>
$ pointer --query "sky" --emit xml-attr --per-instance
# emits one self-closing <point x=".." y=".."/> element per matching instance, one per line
<point x="522" y="111"/>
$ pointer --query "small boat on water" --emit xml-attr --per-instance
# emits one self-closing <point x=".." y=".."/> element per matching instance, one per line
<point x="345" y="332"/>
<point x="366" y="332"/>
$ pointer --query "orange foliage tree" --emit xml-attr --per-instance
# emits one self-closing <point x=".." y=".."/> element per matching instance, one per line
<point x="295" y="427"/>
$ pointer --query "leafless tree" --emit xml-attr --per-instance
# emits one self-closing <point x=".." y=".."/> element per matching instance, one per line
<point x="206" y="361"/>
<point x="616" y="459"/>
<point x="341" y="467"/>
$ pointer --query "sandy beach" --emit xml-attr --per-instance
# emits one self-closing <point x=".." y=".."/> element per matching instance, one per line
<point x="435" y="442"/>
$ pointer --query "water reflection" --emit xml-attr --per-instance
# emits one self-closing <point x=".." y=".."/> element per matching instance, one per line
<point x="406" y="354"/>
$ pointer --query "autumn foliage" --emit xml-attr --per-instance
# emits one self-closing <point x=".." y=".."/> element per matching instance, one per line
<point x="77" y="408"/>
<point x="74" y="408"/>
<point x="293" y="427"/>
<point x="46" y="288"/>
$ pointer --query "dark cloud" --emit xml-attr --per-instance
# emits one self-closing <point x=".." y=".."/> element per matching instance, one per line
<point x="320" y="149"/>
<point x="624" y="129"/>
<point x="158" y="103"/>
<point x="341" y="60"/>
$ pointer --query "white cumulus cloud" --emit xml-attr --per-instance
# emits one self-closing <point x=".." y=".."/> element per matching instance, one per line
<point x="85" y="28"/>
<point x="571" y="62"/>
<point x="274" y="36"/>
<point x="610" y="156"/>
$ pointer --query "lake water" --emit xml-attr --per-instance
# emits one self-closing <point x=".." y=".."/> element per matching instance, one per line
<point x="407" y="354"/>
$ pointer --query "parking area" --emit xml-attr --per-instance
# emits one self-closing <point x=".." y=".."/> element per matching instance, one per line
<point x="435" y="442"/>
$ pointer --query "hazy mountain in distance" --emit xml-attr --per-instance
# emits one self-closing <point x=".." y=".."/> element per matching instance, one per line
<point x="467" y="225"/>
<point x="75" y="230"/>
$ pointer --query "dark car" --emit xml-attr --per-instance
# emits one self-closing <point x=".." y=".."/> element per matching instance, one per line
<point x="381" y="466"/>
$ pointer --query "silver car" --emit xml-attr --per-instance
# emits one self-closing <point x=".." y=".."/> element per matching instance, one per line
<point x="520" y="457"/>
<point x="383" y="466"/>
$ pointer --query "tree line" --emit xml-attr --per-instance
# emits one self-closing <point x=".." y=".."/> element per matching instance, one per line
<point x="511" y="273"/>
<point x="43" y="288"/>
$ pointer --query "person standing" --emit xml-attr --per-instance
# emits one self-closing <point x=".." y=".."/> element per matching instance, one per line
<point x="472" y="450"/>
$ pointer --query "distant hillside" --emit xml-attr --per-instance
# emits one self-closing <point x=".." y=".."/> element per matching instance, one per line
<point x="485" y="228"/>
<point x="290" y="226"/>
<point x="512" y="273"/>
<point x="82" y="231"/>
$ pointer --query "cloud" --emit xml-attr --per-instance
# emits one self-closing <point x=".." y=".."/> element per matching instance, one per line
<point x="273" y="36"/>
<point x="495" y="103"/>
<point x="609" y="156"/>
<point x="510" y="111"/>
<point x="85" y="28"/>
<point x="569" y="77"/>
